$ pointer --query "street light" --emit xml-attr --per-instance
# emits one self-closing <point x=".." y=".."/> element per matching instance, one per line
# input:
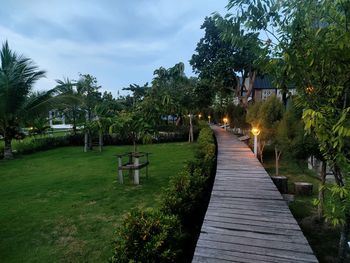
<point x="199" y="116"/>
<point x="256" y="132"/>
<point x="209" y="118"/>
<point x="225" y="123"/>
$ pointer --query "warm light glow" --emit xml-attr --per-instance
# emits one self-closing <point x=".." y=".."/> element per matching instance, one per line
<point x="209" y="117"/>
<point x="225" y="120"/>
<point x="199" y="115"/>
<point x="255" y="131"/>
<point x="310" y="89"/>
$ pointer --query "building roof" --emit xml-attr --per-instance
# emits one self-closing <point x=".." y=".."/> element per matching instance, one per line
<point x="263" y="83"/>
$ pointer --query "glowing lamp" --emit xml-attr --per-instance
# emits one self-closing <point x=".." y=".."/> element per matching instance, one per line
<point x="255" y="131"/>
<point x="225" y="123"/>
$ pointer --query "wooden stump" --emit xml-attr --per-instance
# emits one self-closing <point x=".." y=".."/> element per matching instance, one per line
<point x="303" y="188"/>
<point x="281" y="183"/>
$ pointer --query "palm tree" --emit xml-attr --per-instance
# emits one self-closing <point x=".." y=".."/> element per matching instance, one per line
<point x="17" y="77"/>
<point x="73" y="109"/>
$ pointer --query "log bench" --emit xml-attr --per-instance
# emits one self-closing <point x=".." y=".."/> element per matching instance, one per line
<point x="135" y="162"/>
<point x="303" y="188"/>
<point x="281" y="183"/>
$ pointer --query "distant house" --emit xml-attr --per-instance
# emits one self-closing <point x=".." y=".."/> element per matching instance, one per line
<point x="263" y="89"/>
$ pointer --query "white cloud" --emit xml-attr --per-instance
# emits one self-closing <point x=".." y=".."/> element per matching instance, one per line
<point x="119" y="42"/>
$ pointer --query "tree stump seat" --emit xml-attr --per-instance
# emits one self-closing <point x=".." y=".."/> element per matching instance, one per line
<point x="303" y="188"/>
<point x="281" y="183"/>
<point x="135" y="162"/>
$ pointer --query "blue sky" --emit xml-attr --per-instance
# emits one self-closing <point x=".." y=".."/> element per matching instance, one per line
<point x="119" y="42"/>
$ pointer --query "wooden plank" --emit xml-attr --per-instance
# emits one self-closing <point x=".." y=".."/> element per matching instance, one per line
<point x="281" y="238"/>
<point x="257" y="226"/>
<point x="249" y="241"/>
<point x="204" y="254"/>
<point x="247" y="219"/>
<point x="244" y="217"/>
<point x="272" y="252"/>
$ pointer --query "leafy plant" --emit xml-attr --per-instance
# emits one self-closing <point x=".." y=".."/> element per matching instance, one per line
<point x="147" y="236"/>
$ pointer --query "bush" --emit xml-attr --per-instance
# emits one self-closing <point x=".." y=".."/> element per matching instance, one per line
<point x="147" y="236"/>
<point x="154" y="236"/>
<point x="183" y="196"/>
<point x="40" y="144"/>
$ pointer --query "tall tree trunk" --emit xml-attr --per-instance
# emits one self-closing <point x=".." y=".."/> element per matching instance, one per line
<point x="345" y="230"/>
<point x="74" y="125"/>
<point x="321" y="192"/>
<point x="134" y="143"/>
<point x="277" y="159"/>
<point x="90" y="140"/>
<point x="261" y="147"/>
<point x="100" y="140"/>
<point x="343" y="242"/>
<point x="238" y="87"/>
<point x="86" y="139"/>
<point x="252" y="77"/>
<point x="8" y="147"/>
<point x="190" y="135"/>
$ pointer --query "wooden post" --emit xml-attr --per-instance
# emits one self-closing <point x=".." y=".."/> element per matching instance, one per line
<point x="137" y="170"/>
<point x="281" y="183"/>
<point x="120" y="171"/>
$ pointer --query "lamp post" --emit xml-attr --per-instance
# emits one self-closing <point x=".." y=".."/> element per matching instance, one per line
<point x="256" y="132"/>
<point x="199" y="116"/>
<point x="225" y="123"/>
<point x="209" y="118"/>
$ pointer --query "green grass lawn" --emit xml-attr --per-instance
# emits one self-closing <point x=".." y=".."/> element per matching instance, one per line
<point x="322" y="237"/>
<point x="64" y="205"/>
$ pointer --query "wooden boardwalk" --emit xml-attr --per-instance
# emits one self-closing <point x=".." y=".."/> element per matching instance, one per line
<point x="247" y="219"/>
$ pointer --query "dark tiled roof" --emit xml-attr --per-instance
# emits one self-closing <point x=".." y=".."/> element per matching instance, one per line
<point x="263" y="83"/>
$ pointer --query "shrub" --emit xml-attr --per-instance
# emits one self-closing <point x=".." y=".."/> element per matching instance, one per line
<point x="147" y="236"/>
<point x="154" y="235"/>
<point x="188" y="192"/>
<point x="39" y="144"/>
<point x="182" y="197"/>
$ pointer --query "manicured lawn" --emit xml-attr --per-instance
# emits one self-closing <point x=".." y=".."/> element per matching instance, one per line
<point x="64" y="205"/>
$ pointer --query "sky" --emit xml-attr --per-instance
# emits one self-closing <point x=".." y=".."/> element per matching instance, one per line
<point x="118" y="42"/>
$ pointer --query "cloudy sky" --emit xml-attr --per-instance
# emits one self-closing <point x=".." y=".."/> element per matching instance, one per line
<point x="118" y="42"/>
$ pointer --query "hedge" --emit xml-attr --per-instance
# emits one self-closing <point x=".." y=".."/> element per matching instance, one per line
<point x="46" y="143"/>
<point x="185" y="201"/>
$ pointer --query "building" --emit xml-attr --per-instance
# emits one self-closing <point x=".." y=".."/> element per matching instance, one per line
<point x="263" y="88"/>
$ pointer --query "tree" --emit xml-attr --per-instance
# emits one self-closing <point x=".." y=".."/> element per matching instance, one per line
<point x="172" y="93"/>
<point x="228" y="57"/>
<point x="214" y="59"/>
<point x="72" y="109"/>
<point x="250" y="55"/>
<point x="138" y="92"/>
<point x="88" y="88"/>
<point x="18" y="74"/>
<point x="266" y="116"/>
<point x="132" y="126"/>
<point x="313" y="43"/>
<point x="320" y="41"/>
